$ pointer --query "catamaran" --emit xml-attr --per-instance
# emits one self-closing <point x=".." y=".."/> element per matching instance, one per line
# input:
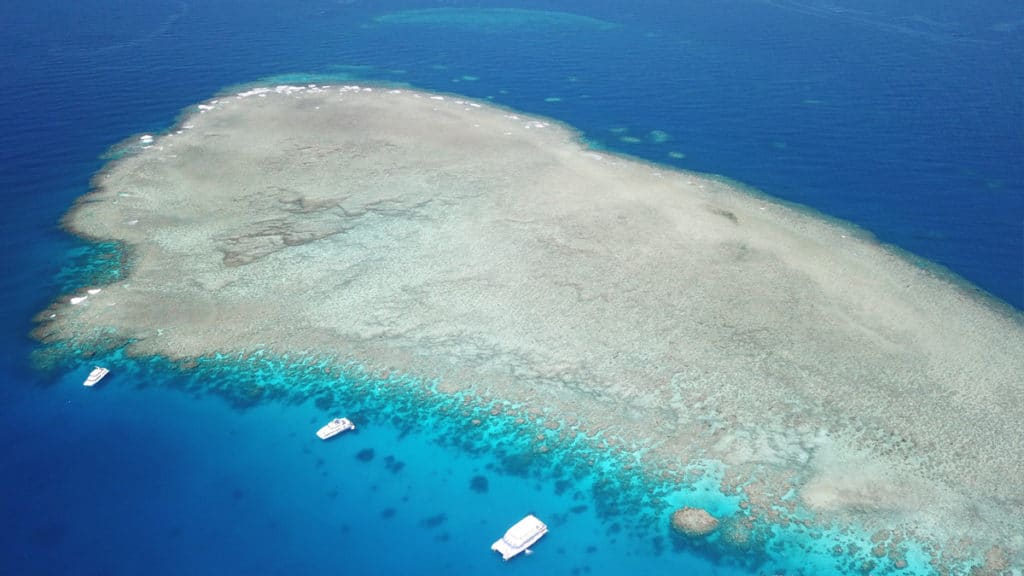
<point x="520" y="537"/>
<point x="335" y="427"/>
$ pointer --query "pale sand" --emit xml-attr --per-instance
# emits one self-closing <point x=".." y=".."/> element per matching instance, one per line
<point x="493" y="251"/>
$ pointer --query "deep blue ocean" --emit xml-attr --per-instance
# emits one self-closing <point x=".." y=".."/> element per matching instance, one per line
<point x="903" y="117"/>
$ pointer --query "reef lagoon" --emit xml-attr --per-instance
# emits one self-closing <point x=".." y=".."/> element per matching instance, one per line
<point x="763" y="259"/>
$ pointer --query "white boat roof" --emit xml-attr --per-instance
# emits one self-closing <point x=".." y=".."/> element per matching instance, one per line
<point x="523" y="530"/>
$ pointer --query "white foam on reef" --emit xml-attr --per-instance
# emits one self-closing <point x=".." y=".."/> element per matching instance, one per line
<point x="94" y="291"/>
<point x="78" y="299"/>
<point x="253" y="92"/>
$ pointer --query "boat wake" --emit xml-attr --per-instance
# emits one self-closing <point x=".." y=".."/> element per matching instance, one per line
<point x="914" y="25"/>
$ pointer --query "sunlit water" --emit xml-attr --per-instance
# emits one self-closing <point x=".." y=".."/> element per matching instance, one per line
<point x="906" y="126"/>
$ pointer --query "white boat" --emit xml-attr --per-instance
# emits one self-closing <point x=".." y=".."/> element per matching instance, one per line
<point x="520" y="537"/>
<point x="335" y="427"/>
<point x="95" y="376"/>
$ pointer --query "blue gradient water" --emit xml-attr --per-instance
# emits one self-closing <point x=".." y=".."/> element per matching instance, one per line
<point x="903" y="117"/>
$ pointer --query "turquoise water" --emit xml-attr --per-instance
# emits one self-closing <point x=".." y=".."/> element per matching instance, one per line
<point x="222" y="462"/>
<point x="903" y="117"/>
<point x="223" y="452"/>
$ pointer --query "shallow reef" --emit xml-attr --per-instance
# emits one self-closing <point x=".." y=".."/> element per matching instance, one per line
<point x="485" y="267"/>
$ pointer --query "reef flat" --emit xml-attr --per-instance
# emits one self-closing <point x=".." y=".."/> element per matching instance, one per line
<point x="431" y="235"/>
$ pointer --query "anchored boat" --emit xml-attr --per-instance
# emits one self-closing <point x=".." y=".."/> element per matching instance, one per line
<point x="95" y="376"/>
<point x="335" y="427"/>
<point x="520" y="537"/>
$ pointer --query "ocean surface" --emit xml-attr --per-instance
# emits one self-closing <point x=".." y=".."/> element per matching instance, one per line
<point x="905" y="118"/>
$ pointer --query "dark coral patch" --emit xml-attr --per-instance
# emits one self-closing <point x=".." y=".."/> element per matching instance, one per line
<point x="479" y="484"/>
<point x="434" y="521"/>
<point x="393" y="465"/>
<point x="561" y="486"/>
